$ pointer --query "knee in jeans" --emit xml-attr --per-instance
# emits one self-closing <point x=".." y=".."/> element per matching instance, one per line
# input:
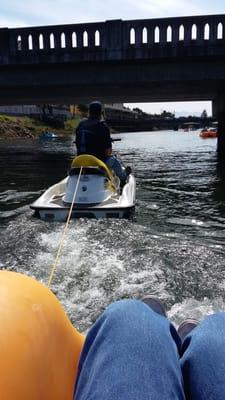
<point x="121" y="310"/>
<point x="208" y="337"/>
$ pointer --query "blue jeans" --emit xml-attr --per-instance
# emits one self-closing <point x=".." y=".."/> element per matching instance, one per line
<point x="133" y="353"/>
<point x="114" y="164"/>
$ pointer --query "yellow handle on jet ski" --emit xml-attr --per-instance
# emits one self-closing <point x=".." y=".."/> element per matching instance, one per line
<point x="87" y="160"/>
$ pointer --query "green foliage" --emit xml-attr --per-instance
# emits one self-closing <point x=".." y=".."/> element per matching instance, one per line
<point x="27" y="126"/>
<point x="71" y="124"/>
<point x="163" y="115"/>
<point x="4" y="118"/>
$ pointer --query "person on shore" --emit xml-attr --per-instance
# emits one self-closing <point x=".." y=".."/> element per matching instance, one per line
<point x="93" y="137"/>
<point x="133" y="352"/>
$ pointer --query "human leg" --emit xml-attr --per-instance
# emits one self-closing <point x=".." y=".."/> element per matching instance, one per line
<point x="114" y="164"/>
<point x="203" y="360"/>
<point x="130" y="353"/>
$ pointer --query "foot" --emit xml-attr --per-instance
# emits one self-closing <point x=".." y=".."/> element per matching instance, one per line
<point x="155" y="304"/>
<point x="128" y="170"/>
<point x="186" y="327"/>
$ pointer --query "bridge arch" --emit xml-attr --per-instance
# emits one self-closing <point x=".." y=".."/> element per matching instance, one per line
<point x="97" y="38"/>
<point x="145" y="35"/>
<point x="206" y="32"/>
<point x="52" y="41"/>
<point x="30" y="42"/>
<point x="220" y="31"/>
<point x="132" y="36"/>
<point x="19" y="43"/>
<point x="63" y="40"/>
<point x="85" y="39"/>
<point x="181" y="33"/>
<point x="169" y="34"/>
<point x="156" y="35"/>
<point x="74" y="39"/>
<point x="41" y="41"/>
<point x="194" y="32"/>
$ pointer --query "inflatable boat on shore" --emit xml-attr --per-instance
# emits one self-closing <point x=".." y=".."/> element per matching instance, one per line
<point x="91" y="189"/>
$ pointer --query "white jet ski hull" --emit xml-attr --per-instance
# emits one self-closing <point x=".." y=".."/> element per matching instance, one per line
<point x="91" y="190"/>
<point x="51" y="207"/>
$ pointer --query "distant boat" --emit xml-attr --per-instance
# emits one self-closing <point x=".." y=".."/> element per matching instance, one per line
<point x="209" y="133"/>
<point x="47" y="135"/>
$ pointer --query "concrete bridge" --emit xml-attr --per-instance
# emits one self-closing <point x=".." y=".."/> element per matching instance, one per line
<point x="169" y="59"/>
<point x="150" y="124"/>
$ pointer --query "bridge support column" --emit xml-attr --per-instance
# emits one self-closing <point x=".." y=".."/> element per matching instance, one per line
<point x="4" y="44"/>
<point x="114" y="39"/>
<point x="214" y="110"/>
<point x="219" y="113"/>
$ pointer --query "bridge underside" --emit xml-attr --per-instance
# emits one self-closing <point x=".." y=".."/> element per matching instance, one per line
<point x="114" y="93"/>
<point x="137" y="81"/>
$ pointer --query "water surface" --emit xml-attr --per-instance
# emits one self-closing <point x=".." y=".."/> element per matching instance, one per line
<point x="174" y="248"/>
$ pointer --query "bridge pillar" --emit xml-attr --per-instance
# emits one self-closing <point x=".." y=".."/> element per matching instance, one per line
<point x="113" y="41"/>
<point x="4" y="45"/>
<point x="214" y="109"/>
<point x="219" y="112"/>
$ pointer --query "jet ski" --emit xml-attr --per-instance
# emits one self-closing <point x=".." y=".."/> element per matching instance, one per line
<point x="91" y="190"/>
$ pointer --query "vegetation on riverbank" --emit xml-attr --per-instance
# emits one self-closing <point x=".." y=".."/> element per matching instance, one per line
<point x="26" y="127"/>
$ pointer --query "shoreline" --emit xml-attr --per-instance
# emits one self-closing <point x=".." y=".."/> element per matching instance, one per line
<point x="12" y="127"/>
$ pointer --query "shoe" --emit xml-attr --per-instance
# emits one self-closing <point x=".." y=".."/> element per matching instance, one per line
<point x="128" y="170"/>
<point x="155" y="304"/>
<point x="186" y="327"/>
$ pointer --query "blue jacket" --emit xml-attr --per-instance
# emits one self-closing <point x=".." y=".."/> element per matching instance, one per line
<point x="93" y="137"/>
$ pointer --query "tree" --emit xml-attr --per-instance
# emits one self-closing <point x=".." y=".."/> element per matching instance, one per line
<point x="138" y="110"/>
<point x="167" y="115"/>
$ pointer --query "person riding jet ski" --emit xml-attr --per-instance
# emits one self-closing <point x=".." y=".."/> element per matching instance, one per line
<point x="93" y="137"/>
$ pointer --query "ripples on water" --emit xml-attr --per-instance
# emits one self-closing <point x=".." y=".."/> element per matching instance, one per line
<point x="173" y="248"/>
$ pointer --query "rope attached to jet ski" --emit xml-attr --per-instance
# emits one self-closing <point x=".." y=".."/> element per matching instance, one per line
<point x="55" y="263"/>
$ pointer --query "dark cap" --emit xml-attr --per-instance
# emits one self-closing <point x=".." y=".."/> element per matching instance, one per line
<point x="95" y="108"/>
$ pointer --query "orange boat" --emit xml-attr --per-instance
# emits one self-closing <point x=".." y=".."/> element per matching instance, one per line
<point x="209" y="133"/>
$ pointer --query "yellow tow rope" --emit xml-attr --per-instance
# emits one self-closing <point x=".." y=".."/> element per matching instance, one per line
<point x="55" y="263"/>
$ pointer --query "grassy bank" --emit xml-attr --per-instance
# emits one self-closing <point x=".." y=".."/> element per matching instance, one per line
<point x="26" y="127"/>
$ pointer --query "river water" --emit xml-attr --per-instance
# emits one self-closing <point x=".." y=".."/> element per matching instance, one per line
<point x="174" y="247"/>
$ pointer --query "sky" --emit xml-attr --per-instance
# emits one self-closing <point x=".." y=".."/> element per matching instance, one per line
<point x="17" y="13"/>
